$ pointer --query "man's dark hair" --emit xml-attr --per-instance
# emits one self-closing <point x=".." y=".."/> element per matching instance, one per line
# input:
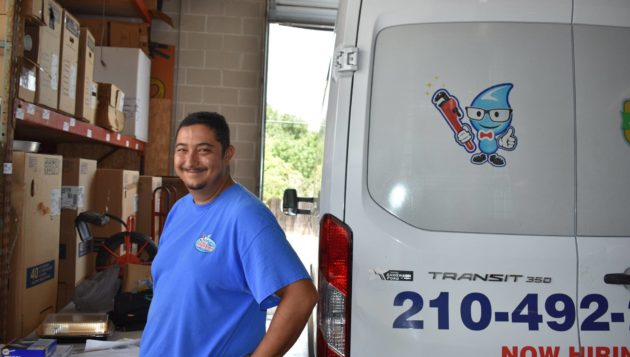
<point x="212" y="120"/>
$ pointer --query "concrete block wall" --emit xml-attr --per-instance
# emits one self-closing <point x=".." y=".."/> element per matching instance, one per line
<point x="220" y="67"/>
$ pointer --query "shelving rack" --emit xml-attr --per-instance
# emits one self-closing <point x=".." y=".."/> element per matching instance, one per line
<point x="32" y="121"/>
<point x="60" y="127"/>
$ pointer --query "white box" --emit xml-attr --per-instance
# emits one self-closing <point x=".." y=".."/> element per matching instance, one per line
<point x="130" y="70"/>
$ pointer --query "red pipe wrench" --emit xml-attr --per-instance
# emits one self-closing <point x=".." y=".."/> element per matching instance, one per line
<point x="448" y="105"/>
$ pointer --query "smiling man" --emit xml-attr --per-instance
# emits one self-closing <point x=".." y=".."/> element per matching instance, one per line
<point x="222" y="261"/>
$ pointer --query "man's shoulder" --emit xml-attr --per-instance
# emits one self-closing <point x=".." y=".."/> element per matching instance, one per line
<point x="247" y="203"/>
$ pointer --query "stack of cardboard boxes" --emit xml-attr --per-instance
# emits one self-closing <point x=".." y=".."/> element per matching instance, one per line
<point x="49" y="258"/>
<point x="56" y="72"/>
<point x="130" y="70"/>
<point x="58" y="69"/>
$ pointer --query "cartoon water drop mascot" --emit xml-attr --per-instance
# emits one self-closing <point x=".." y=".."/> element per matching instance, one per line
<point x="490" y="115"/>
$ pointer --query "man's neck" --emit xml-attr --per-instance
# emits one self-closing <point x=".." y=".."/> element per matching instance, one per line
<point x="227" y="182"/>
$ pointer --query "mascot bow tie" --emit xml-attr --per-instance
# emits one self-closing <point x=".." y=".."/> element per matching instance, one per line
<point x="486" y="135"/>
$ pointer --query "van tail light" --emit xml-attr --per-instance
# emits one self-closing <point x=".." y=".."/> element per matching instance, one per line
<point x="335" y="282"/>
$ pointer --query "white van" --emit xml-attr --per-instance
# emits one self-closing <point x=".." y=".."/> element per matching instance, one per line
<point x="476" y="183"/>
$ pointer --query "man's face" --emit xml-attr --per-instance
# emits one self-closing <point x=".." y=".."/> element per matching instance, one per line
<point x="200" y="161"/>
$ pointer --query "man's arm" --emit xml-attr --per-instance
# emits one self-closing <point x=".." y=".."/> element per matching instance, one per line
<point x="296" y="304"/>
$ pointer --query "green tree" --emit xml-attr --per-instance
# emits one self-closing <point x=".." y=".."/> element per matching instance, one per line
<point x="293" y="156"/>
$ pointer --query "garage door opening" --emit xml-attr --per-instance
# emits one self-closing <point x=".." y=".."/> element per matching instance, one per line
<point x="296" y="91"/>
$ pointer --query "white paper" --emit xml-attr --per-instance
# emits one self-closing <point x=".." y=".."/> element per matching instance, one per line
<point x="127" y="351"/>
<point x="98" y="345"/>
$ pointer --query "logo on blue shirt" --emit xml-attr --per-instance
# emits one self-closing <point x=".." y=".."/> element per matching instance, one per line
<point x="205" y="244"/>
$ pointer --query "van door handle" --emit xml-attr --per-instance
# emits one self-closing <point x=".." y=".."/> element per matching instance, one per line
<point x="617" y="278"/>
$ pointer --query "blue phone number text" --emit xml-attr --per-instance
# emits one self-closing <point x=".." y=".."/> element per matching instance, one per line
<point x="560" y="309"/>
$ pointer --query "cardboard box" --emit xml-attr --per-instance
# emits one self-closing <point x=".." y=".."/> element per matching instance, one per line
<point x="69" y="63"/>
<point x="129" y="34"/>
<point x="99" y="27"/>
<point x="28" y="67"/>
<point x="35" y="199"/>
<point x="40" y="347"/>
<point x="130" y="70"/>
<point x="86" y="87"/>
<point x="146" y="205"/>
<point x="161" y="118"/>
<point x="76" y="259"/>
<point x="136" y="277"/>
<point x="48" y="56"/>
<point x="3" y="27"/>
<point x="163" y="73"/>
<point x="33" y="9"/>
<point x="109" y="110"/>
<point x="115" y="192"/>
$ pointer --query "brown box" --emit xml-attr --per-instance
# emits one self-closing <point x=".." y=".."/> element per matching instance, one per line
<point x="86" y="87"/>
<point x="28" y="68"/>
<point x="48" y="56"/>
<point x="136" y="277"/>
<point x="146" y="205"/>
<point x="33" y="9"/>
<point x="159" y="144"/>
<point x="99" y="27"/>
<point x="109" y="112"/>
<point x="35" y="201"/>
<point x="129" y="34"/>
<point x="76" y="260"/>
<point x="69" y="63"/>
<point x="115" y="192"/>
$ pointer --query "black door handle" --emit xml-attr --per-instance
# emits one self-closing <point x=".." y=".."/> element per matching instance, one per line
<point x="618" y="278"/>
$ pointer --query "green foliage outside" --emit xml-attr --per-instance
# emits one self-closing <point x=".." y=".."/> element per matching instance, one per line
<point x="293" y="156"/>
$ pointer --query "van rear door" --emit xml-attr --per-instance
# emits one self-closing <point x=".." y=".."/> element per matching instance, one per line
<point x="456" y="253"/>
<point x="602" y="83"/>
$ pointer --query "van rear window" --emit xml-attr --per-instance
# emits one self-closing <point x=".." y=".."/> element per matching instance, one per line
<point x="511" y="87"/>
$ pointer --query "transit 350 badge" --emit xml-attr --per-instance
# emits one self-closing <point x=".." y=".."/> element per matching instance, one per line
<point x="205" y="244"/>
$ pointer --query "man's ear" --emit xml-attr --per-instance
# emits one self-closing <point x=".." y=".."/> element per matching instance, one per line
<point x="229" y="153"/>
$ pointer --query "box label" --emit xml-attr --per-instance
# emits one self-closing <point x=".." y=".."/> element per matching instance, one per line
<point x="72" y="26"/>
<point x="52" y="166"/>
<point x="55" y="202"/>
<point x="73" y="81"/>
<point x="32" y="163"/>
<point x="90" y="44"/>
<point x="54" y="72"/>
<point x="83" y="169"/>
<point x="40" y="274"/>
<point x="92" y="98"/>
<point x="72" y="197"/>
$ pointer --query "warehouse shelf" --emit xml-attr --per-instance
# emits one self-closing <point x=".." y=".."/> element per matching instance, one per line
<point x="58" y="127"/>
<point x="123" y="8"/>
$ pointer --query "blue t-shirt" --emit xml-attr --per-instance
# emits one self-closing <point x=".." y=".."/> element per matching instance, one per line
<point x="216" y="272"/>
